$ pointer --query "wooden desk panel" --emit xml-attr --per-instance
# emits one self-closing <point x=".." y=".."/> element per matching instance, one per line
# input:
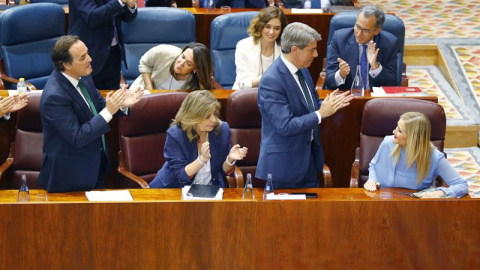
<point x="342" y="229"/>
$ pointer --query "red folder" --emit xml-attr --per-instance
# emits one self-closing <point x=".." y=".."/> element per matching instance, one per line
<point x="395" y="90"/>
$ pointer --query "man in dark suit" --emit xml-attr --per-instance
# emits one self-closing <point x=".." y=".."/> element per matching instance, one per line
<point x="366" y="45"/>
<point x="291" y="111"/>
<point x="98" y="24"/>
<point x="74" y="120"/>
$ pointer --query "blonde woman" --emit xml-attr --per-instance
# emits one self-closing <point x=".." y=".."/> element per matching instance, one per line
<point x="253" y="55"/>
<point x="197" y="148"/>
<point x="409" y="160"/>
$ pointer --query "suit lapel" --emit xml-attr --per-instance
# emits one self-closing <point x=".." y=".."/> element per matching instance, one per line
<point x="291" y="83"/>
<point x="73" y="93"/>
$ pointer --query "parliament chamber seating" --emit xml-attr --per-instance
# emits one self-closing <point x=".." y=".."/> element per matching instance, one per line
<point x="154" y="26"/>
<point x="225" y="31"/>
<point x="27" y="36"/>
<point x="245" y="123"/>
<point x="380" y="117"/>
<point x="234" y="3"/>
<point x="60" y="2"/>
<point x="25" y="157"/>
<point x="142" y="136"/>
<point x="393" y="25"/>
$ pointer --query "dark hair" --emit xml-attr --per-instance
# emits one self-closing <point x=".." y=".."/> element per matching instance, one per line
<point x="258" y="23"/>
<point x="368" y="11"/>
<point x="202" y="77"/>
<point x="61" y="54"/>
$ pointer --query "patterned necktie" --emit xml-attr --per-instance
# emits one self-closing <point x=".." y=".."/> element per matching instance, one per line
<point x="309" y="101"/>
<point x="364" y="66"/>
<point x="90" y="103"/>
<point x="115" y="31"/>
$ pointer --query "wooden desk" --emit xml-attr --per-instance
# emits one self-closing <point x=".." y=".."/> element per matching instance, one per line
<point x="340" y="137"/>
<point x="342" y="229"/>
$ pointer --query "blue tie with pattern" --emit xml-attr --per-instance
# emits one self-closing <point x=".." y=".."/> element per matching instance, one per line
<point x="364" y="66"/>
<point x="309" y="100"/>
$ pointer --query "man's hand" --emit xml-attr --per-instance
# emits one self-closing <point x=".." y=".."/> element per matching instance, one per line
<point x="6" y="105"/>
<point x="334" y="102"/>
<point x="343" y="67"/>
<point x="20" y="102"/>
<point x="131" y="97"/>
<point x="114" y="100"/>
<point x="372" y="53"/>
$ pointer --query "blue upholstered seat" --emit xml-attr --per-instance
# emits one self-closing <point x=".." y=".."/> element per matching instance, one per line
<point x="27" y="36"/>
<point x="154" y="26"/>
<point x="225" y="31"/>
<point x="60" y="2"/>
<point x="393" y="25"/>
<point x="235" y="3"/>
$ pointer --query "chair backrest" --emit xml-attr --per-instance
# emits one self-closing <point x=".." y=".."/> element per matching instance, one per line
<point x="142" y="134"/>
<point x="380" y="117"/>
<point x="225" y="31"/>
<point x="154" y="26"/>
<point x="28" y="149"/>
<point x="245" y="123"/>
<point x="60" y="2"/>
<point x="393" y="25"/>
<point x="27" y="36"/>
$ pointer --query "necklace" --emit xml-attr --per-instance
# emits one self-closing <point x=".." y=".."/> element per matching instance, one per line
<point x="261" y="62"/>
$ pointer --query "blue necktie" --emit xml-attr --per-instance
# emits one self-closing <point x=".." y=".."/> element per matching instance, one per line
<point x="115" y="30"/>
<point x="364" y="66"/>
<point x="309" y="100"/>
<point x="92" y="106"/>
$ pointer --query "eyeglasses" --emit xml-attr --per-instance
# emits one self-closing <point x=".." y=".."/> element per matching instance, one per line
<point x="365" y="31"/>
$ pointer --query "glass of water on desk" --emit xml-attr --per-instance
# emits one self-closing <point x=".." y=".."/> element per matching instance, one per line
<point x="268" y="191"/>
<point x="248" y="189"/>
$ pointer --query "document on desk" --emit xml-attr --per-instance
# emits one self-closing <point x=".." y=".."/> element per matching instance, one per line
<point x="109" y="196"/>
<point x="306" y="10"/>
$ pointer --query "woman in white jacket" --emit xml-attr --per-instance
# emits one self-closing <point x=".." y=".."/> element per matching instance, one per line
<point x="256" y="53"/>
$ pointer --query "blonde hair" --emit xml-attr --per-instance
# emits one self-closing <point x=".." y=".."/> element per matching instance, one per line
<point x="418" y="148"/>
<point x="197" y="106"/>
<point x="258" y="23"/>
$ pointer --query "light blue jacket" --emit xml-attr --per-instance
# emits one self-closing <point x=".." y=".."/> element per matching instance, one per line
<point x="384" y="170"/>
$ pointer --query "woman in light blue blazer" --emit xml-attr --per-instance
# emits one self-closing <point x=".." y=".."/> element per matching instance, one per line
<point x="197" y="148"/>
<point x="409" y="160"/>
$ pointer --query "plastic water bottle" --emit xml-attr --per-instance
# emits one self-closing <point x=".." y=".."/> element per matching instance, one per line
<point x="308" y="4"/>
<point x="23" y="193"/>
<point x="358" y="88"/>
<point x="21" y="86"/>
<point x="248" y="189"/>
<point x="268" y="187"/>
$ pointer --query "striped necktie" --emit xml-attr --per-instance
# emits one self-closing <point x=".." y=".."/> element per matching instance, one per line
<point x="364" y="66"/>
<point x="92" y="106"/>
<point x="309" y="100"/>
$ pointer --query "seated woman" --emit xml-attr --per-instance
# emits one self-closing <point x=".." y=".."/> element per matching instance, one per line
<point x="409" y="160"/>
<point x="168" y="67"/>
<point x="256" y="53"/>
<point x="197" y="148"/>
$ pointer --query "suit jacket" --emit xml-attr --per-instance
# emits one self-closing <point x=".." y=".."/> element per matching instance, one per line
<point x="72" y="145"/>
<point x="287" y="123"/>
<point x="344" y="45"/>
<point x="92" y="21"/>
<point x="179" y="152"/>
<point x="383" y="169"/>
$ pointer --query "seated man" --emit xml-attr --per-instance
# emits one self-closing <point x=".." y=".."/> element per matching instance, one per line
<point x="365" y="45"/>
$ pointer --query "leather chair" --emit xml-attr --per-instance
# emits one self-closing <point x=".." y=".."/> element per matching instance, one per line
<point x="154" y="26"/>
<point x="25" y="157"/>
<point x="245" y="121"/>
<point x="380" y="117"/>
<point x="28" y="34"/>
<point x="225" y="31"/>
<point x="142" y="136"/>
<point x="393" y="25"/>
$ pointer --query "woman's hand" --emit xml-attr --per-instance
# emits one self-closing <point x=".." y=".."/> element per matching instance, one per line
<point x="237" y="153"/>
<point x="433" y="194"/>
<point x="205" y="152"/>
<point x="371" y="185"/>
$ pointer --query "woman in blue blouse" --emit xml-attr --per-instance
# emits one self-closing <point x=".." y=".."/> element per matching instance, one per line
<point x="409" y="160"/>
<point x="197" y="148"/>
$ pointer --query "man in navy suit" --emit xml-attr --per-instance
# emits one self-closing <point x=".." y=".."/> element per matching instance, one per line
<point x="346" y="52"/>
<point x="74" y="120"/>
<point x="291" y="111"/>
<point x="98" y="24"/>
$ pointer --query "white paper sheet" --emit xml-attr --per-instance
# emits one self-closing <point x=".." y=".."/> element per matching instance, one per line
<point x="109" y="196"/>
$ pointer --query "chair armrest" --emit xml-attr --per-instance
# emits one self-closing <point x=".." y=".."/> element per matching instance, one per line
<point x="355" y="171"/>
<point x="404" y="75"/>
<point x="4" y="76"/>
<point x="216" y="85"/>
<point x="327" y="177"/>
<point x="123" y="171"/>
<point x="237" y="180"/>
<point x="321" y="77"/>
<point x="9" y="162"/>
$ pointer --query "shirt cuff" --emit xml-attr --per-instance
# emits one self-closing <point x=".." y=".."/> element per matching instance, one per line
<point x="6" y="116"/>
<point x="338" y="78"/>
<point x="124" y="110"/>
<point x="106" y="115"/>
<point x="319" y="116"/>
<point x="376" y="72"/>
